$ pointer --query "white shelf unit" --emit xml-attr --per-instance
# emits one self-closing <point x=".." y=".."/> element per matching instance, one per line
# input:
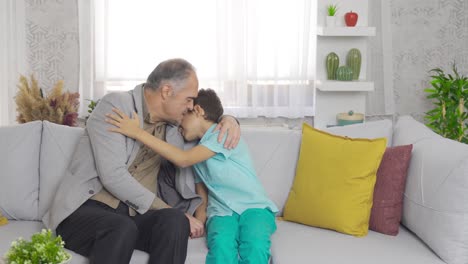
<point x="346" y="31"/>
<point x="333" y="97"/>
<point x="344" y="86"/>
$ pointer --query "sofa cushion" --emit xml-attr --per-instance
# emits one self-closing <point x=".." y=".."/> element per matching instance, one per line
<point x="139" y="257"/>
<point x="299" y="244"/>
<point x="274" y="152"/>
<point x="19" y="176"/>
<point x="435" y="206"/>
<point x="388" y="191"/>
<point x="196" y="251"/>
<point x="373" y="129"/>
<point x="409" y="131"/>
<point x="58" y="145"/>
<point x="334" y="181"/>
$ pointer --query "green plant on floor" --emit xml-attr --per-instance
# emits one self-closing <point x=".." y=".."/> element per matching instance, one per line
<point x="449" y="92"/>
<point x="332" y="9"/>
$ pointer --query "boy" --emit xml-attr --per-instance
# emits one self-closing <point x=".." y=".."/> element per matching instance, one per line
<point x="240" y="218"/>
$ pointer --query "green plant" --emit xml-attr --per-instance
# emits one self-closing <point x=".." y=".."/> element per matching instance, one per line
<point x="44" y="247"/>
<point x="449" y="92"/>
<point x="332" y="9"/>
<point x="92" y="104"/>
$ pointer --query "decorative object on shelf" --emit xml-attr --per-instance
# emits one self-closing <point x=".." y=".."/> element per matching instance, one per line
<point x="449" y="92"/>
<point x="331" y="15"/>
<point x="353" y="60"/>
<point x="349" y="118"/>
<point x="344" y="73"/>
<point x="57" y="107"/>
<point x="351" y="19"/>
<point x="44" y="247"/>
<point x="332" y="62"/>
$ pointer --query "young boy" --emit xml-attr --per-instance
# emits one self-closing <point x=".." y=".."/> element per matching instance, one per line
<point x="241" y="218"/>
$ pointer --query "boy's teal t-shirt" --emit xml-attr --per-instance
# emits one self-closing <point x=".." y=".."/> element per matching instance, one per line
<point x="230" y="178"/>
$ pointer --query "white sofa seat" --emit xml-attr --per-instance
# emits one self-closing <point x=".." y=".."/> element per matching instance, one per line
<point x="196" y="251"/>
<point x="296" y="243"/>
<point x="299" y="244"/>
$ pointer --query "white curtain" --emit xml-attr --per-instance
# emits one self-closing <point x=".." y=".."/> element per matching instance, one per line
<point x="12" y="56"/>
<point x="259" y="55"/>
<point x="86" y="43"/>
<point x="380" y="70"/>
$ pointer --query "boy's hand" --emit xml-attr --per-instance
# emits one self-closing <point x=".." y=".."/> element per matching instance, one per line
<point x="129" y="127"/>
<point x="197" y="228"/>
<point x="229" y="125"/>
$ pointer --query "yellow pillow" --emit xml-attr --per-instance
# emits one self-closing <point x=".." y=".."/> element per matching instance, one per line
<point x="3" y="220"/>
<point x="334" y="183"/>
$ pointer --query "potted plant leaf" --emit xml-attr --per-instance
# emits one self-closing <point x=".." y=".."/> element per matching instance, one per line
<point x="92" y="104"/>
<point x="44" y="247"/>
<point x="331" y="15"/>
<point x="449" y="93"/>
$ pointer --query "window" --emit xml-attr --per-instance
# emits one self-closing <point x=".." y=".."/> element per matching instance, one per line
<point x="258" y="55"/>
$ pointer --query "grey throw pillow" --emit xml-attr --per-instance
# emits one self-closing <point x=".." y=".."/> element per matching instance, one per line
<point x="58" y="144"/>
<point x="435" y="205"/>
<point x="19" y="174"/>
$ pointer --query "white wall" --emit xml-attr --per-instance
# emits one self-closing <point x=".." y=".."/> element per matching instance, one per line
<point x="426" y="34"/>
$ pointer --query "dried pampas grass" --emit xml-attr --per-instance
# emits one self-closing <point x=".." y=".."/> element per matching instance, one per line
<point x="57" y="106"/>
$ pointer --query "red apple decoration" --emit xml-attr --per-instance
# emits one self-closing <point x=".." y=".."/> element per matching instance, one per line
<point x="351" y="19"/>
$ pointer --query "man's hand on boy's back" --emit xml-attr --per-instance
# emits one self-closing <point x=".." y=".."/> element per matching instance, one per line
<point x="197" y="228"/>
<point x="230" y="125"/>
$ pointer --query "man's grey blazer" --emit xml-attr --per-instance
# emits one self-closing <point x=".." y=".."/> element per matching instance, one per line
<point x="102" y="159"/>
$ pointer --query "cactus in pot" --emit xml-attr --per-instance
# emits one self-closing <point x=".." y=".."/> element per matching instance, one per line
<point x="344" y="73"/>
<point x="333" y="61"/>
<point x="353" y="60"/>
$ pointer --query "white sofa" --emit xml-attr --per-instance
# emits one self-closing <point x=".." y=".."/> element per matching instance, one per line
<point x="33" y="157"/>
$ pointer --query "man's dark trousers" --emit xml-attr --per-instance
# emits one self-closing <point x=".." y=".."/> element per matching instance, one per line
<point x="107" y="235"/>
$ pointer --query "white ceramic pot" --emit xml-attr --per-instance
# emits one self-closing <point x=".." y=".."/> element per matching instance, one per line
<point x="331" y="21"/>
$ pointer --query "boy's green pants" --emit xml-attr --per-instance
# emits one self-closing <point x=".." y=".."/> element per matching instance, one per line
<point x="241" y="238"/>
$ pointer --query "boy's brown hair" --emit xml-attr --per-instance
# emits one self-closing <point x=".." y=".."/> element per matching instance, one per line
<point x="211" y="104"/>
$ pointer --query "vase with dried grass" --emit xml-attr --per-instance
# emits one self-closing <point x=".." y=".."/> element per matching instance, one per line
<point x="56" y="106"/>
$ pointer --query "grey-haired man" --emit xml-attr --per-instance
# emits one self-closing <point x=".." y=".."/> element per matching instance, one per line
<point x="118" y="195"/>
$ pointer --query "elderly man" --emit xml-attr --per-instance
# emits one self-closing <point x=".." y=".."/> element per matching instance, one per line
<point x="118" y="195"/>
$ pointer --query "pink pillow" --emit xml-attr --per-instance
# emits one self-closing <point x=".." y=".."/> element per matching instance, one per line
<point x="388" y="191"/>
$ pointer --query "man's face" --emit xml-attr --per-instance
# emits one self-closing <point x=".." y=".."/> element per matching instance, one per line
<point x="181" y="101"/>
